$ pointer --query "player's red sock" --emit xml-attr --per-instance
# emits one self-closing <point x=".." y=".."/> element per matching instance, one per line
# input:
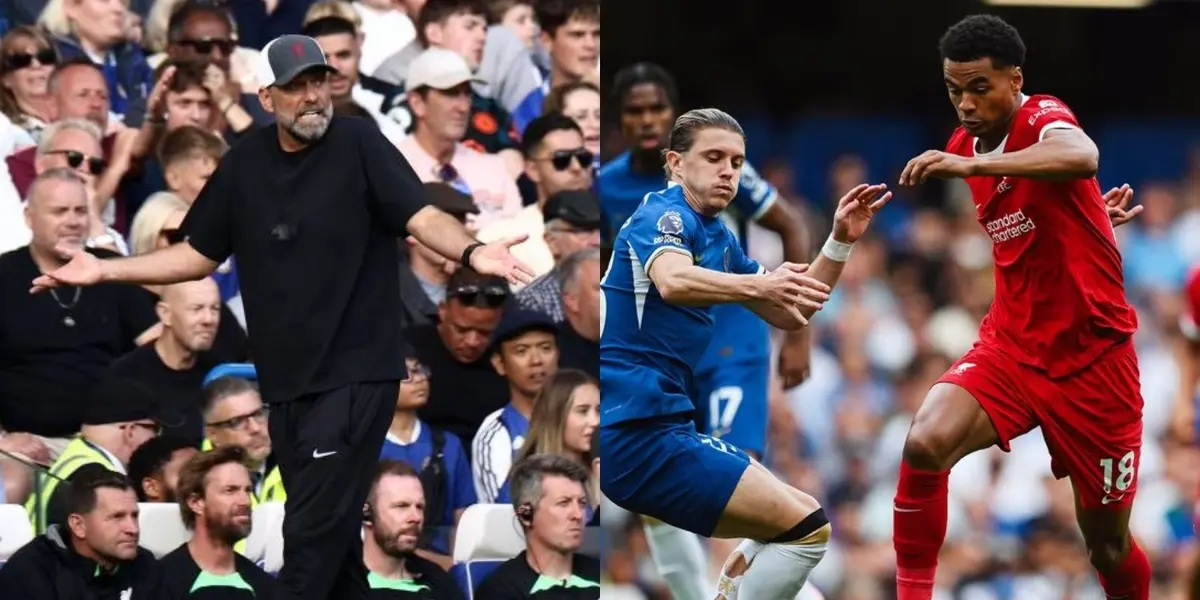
<point x="919" y="530"/>
<point x="1131" y="580"/>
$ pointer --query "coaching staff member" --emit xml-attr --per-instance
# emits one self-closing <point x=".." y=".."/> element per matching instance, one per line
<point x="312" y="208"/>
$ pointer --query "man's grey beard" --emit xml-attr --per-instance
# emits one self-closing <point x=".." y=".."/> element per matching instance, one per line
<point x="313" y="130"/>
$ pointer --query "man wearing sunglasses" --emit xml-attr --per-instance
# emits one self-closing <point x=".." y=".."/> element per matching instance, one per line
<point x="204" y="31"/>
<point x="312" y="208"/>
<point x="75" y="144"/>
<point x="464" y="388"/>
<point x="120" y="417"/>
<point x="556" y="162"/>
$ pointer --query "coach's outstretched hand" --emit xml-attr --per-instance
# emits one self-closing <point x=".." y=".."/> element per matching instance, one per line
<point x="855" y="209"/>
<point x="496" y="259"/>
<point x="83" y="269"/>
<point x="1116" y="202"/>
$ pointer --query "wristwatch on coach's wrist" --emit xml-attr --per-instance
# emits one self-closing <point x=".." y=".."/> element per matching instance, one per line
<point x="466" y="255"/>
<point x="105" y="239"/>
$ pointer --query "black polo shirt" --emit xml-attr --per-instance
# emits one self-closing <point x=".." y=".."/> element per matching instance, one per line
<point x="180" y="394"/>
<point x="516" y="580"/>
<point x="429" y="582"/>
<point x="47" y="367"/>
<point x="182" y="579"/>
<point x="315" y="234"/>
<point x="461" y="395"/>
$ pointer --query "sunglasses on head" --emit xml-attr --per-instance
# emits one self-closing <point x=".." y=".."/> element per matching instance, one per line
<point x="174" y="236"/>
<point x="473" y="295"/>
<point x="206" y="45"/>
<point x="76" y="158"/>
<point x="20" y="60"/>
<point x="561" y="159"/>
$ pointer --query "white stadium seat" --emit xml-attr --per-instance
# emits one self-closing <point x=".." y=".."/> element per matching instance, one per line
<point x="15" y="529"/>
<point x="265" y="544"/>
<point x="487" y="533"/>
<point x="162" y="527"/>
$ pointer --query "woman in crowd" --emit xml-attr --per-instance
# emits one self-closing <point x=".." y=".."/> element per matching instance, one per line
<point x="26" y="59"/>
<point x="156" y="226"/>
<point x="565" y="416"/>
<point x="580" y="101"/>
<point x="97" y="29"/>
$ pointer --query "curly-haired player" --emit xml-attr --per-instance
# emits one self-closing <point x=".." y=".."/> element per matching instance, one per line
<point x="1056" y="349"/>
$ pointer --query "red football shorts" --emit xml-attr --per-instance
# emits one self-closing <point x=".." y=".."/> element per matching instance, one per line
<point x="1091" y="420"/>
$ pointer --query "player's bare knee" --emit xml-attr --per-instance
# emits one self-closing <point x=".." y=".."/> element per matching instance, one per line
<point x="927" y="449"/>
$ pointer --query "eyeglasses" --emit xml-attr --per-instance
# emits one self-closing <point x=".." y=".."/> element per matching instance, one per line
<point x="174" y="236"/>
<point x="561" y="159"/>
<point x="473" y="295"/>
<point x="448" y="175"/>
<point x="153" y="428"/>
<point x="76" y="158"/>
<point x="239" y="422"/>
<point x="20" y="60"/>
<point x="206" y="45"/>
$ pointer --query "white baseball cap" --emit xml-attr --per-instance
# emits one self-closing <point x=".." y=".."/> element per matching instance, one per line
<point x="440" y="69"/>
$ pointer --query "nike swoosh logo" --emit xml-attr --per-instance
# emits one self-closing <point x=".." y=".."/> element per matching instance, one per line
<point x="318" y="454"/>
<point x="1108" y="499"/>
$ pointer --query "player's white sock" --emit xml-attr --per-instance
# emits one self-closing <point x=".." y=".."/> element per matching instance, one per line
<point x="680" y="559"/>
<point x="780" y="570"/>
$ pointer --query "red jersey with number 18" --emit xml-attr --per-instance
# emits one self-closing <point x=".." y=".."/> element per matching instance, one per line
<point x="1060" y="292"/>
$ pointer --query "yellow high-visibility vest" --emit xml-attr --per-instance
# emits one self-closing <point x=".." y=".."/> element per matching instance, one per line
<point x="77" y="454"/>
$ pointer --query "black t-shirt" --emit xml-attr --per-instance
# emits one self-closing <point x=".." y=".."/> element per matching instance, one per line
<point x="516" y="580"/>
<point x="461" y="396"/>
<point x="231" y="343"/>
<point x="577" y="352"/>
<point x="183" y="579"/>
<point x="179" y="393"/>
<point x="315" y="234"/>
<point x="429" y="582"/>
<point x="47" y="367"/>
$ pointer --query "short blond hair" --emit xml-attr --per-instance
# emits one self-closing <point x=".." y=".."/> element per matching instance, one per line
<point x="149" y="220"/>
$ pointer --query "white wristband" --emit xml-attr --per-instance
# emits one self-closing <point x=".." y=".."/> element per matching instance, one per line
<point x="836" y="251"/>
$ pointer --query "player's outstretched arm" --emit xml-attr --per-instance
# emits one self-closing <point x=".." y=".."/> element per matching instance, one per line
<point x="850" y="221"/>
<point x="176" y="263"/>
<point x="1062" y="154"/>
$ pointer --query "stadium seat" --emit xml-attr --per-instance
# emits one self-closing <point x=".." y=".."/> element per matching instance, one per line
<point x="265" y="544"/>
<point x="162" y="527"/>
<point x="488" y="534"/>
<point x="243" y="370"/>
<point x="15" y="529"/>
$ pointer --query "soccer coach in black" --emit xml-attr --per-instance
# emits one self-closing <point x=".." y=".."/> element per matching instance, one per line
<point x="312" y="208"/>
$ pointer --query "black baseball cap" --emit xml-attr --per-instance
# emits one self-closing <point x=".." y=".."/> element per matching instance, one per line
<point x="517" y="320"/>
<point x="287" y="56"/>
<point x="579" y="208"/>
<point x="118" y="399"/>
<point x="445" y="197"/>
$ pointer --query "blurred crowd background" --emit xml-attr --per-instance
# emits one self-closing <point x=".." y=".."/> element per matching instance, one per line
<point x="834" y="94"/>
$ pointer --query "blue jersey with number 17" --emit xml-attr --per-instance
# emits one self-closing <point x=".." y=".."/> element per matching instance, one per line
<point x="649" y="348"/>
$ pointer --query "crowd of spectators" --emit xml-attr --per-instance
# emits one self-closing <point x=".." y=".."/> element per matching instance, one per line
<point x="907" y="305"/>
<point x="114" y="114"/>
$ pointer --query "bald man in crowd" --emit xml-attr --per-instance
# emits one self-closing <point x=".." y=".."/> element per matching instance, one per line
<point x="174" y="366"/>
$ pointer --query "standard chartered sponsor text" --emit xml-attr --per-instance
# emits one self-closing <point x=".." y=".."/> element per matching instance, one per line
<point x="1009" y="226"/>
